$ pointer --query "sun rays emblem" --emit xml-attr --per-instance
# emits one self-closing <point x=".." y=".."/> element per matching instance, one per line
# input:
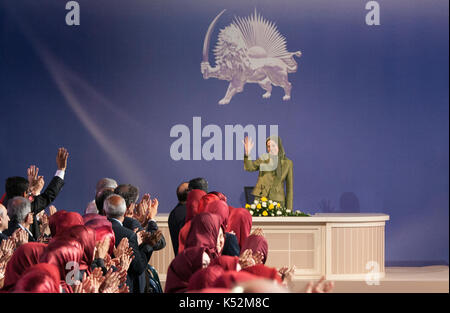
<point x="249" y="50"/>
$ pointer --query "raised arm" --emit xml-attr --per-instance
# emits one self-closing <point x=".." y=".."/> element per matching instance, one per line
<point x="54" y="187"/>
<point x="249" y="165"/>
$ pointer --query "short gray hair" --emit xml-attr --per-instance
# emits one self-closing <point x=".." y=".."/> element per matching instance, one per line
<point x="114" y="206"/>
<point x="18" y="209"/>
<point x="105" y="183"/>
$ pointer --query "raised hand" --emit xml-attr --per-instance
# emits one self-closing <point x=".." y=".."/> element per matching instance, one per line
<point x="248" y="145"/>
<point x="122" y="248"/>
<point x="20" y="237"/>
<point x="319" y="287"/>
<point x="61" y="159"/>
<point x="258" y="257"/>
<point x="246" y="259"/>
<point x="258" y="232"/>
<point x="287" y="274"/>
<point x="153" y="209"/>
<point x="111" y="282"/>
<point x="7" y="250"/>
<point x="52" y="210"/>
<point x="101" y="248"/>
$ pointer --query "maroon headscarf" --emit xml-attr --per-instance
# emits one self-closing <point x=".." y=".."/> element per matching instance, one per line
<point x="205" y="277"/>
<point x="226" y="262"/>
<point x="62" y="220"/>
<point x="205" y="228"/>
<point x="62" y="251"/>
<point x="261" y="270"/>
<point x="205" y="200"/>
<point x="39" y="278"/>
<point x="220" y="208"/>
<point x="192" y="203"/>
<point x="92" y="216"/>
<point x="230" y="278"/>
<point x="220" y="195"/>
<point x="182" y="268"/>
<point x="25" y="256"/>
<point x="86" y="236"/>
<point x="240" y="222"/>
<point x="257" y="243"/>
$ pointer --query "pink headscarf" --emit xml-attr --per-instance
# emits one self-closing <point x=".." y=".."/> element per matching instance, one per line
<point x="86" y="237"/>
<point x="62" y="220"/>
<point x="240" y="222"/>
<point x="25" y="256"/>
<point x="205" y="200"/>
<point x="182" y="268"/>
<point x="192" y="204"/>
<point x="204" y="231"/>
<point x="61" y="252"/>
<point x="220" y="208"/>
<point x="39" y="278"/>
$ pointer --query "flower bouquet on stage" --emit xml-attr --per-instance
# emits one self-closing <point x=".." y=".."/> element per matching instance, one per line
<point x="266" y="207"/>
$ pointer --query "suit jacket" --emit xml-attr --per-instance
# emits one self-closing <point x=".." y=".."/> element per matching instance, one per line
<point x="12" y="226"/>
<point x="267" y="184"/>
<point x="2" y="237"/>
<point x="132" y="223"/>
<point x="141" y="255"/>
<point x="177" y="218"/>
<point x="231" y="246"/>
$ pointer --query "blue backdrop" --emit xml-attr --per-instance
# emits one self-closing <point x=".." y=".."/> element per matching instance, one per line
<point x="367" y="127"/>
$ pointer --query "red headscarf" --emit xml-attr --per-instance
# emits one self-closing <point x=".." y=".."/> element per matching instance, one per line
<point x="205" y="228"/>
<point x="220" y="195"/>
<point x="86" y="236"/>
<point x="62" y="220"/>
<point x="205" y="277"/>
<point x="205" y="200"/>
<point x="92" y="216"/>
<point x="227" y="262"/>
<point x="39" y="278"/>
<point x="264" y="271"/>
<point x="230" y="278"/>
<point x="102" y="232"/>
<point x="25" y="256"/>
<point x="62" y="251"/>
<point x="220" y="208"/>
<point x="192" y="203"/>
<point x="240" y="222"/>
<point x="182" y="268"/>
<point x="210" y="290"/>
<point x="257" y="243"/>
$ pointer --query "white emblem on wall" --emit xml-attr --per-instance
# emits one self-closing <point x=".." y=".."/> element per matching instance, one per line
<point x="249" y="50"/>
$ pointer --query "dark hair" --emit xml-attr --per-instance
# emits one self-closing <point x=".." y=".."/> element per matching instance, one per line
<point x="183" y="193"/>
<point x="198" y="183"/>
<point x="100" y="199"/>
<point x="129" y="192"/>
<point x="15" y="187"/>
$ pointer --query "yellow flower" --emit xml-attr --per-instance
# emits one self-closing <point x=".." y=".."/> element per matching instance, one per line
<point x="271" y="206"/>
<point x="258" y="206"/>
<point x="265" y="213"/>
<point x="247" y="206"/>
<point x="278" y="205"/>
<point x="263" y="199"/>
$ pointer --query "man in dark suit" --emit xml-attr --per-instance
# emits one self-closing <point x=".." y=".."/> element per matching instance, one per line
<point x="115" y="208"/>
<point x="19" y="211"/>
<point x="4" y="220"/>
<point x="177" y="216"/>
<point x="18" y="186"/>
